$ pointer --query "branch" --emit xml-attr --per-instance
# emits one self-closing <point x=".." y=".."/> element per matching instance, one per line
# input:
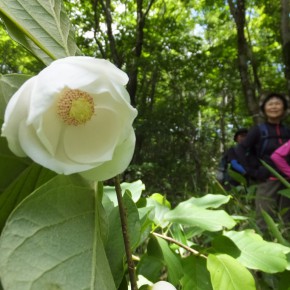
<point x="124" y="223"/>
<point x="194" y="252"/>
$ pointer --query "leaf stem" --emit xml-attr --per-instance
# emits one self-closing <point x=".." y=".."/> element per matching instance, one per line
<point x="194" y="252"/>
<point x="124" y="223"/>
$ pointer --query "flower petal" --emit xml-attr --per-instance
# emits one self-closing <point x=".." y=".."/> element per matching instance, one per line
<point x="35" y="150"/>
<point x="17" y="110"/>
<point x="75" y="72"/>
<point x="49" y="128"/>
<point x="121" y="159"/>
<point x="94" y="141"/>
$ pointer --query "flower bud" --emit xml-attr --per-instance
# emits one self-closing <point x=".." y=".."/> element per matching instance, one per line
<point x="163" y="285"/>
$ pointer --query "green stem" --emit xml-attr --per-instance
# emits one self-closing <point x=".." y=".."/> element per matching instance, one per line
<point x="124" y="223"/>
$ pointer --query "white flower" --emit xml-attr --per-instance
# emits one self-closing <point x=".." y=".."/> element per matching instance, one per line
<point x="163" y="285"/>
<point x="74" y="116"/>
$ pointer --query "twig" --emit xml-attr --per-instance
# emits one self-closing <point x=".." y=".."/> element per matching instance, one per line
<point x="124" y="223"/>
<point x="196" y="253"/>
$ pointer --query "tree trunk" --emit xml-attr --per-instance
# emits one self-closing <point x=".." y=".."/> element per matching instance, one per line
<point x="285" y="34"/>
<point x="248" y="86"/>
<point x="133" y="70"/>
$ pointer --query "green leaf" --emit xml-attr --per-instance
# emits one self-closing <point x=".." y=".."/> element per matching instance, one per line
<point x="237" y="177"/>
<point x="150" y="267"/>
<point x="9" y="84"/>
<point x="135" y="188"/>
<point x="160" y="199"/>
<point x="30" y="179"/>
<point x="146" y="223"/>
<point x="284" y="281"/>
<point x="196" y="275"/>
<point x="223" y="244"/>
<point x="227" y="273"/>
<point x="52" y="240"/>
<point x="273" y="228"/>
<point x="41" y="26"/>
<point x="159" y="248"/>
<point x="189" y="214"/>
<point x="285" y="192"/>
<point x="258" y="254"/>
<point x="10" y="165"/>
<point x="160" y="206"/>
<point x="276" y="174"/>
<point x="208" y="201"/>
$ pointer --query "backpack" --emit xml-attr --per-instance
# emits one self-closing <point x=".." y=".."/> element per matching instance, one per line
<point x="265" y="138"/>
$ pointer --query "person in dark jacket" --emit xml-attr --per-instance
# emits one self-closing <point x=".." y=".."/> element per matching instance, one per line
<point x="262" y="140"/>
<point x="230" y="160"/>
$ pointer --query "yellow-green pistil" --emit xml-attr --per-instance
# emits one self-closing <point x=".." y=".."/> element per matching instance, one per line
<point x="75" y="107"/>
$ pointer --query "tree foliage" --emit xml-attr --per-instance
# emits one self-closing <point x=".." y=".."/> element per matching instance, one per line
<point x="197" y="70"/>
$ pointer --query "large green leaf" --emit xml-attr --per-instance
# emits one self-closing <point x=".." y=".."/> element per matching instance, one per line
<point x="9" y="84"/>
<point x="189" y="214"/>
<point x="259" y="254"/>
<point x="41" y="26"/>
<point x="53" y="241"/>
<point x="208" y="201"/>
<point x="227" y="273"/>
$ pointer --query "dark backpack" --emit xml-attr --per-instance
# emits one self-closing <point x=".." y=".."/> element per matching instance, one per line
<point x="265" y="138"/>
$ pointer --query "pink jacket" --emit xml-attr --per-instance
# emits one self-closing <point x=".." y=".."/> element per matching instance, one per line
<point x="279" y="158"/>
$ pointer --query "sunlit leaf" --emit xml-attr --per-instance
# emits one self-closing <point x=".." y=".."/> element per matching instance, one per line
<point x="160" y="206"/>
<point x="227" y="273"/>
<point x="259" y="254"/>
<point x="208" y="201"/>
<point x="187" y="213"/>
<point x="135" y="188"/>
<point x="41" y="26"/>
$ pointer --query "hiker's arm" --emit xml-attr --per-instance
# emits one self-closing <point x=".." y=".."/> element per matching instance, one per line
<point x="238" y="167"/>
<point x="279" y="158"/>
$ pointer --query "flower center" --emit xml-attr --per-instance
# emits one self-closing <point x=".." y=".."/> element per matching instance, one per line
<point x="75" y="107"/>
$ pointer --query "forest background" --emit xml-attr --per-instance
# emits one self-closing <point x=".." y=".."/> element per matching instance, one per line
<point x="197" y="71"/>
